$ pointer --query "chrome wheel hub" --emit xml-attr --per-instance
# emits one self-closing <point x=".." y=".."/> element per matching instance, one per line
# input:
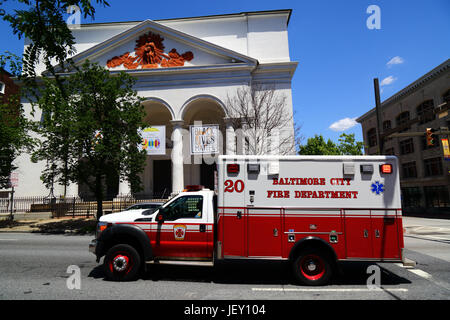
<point x="120" y="263"/>
<point x="311" y="266"/>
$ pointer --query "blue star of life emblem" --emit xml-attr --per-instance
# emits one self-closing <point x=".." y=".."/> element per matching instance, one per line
<point x="377" y="187"/>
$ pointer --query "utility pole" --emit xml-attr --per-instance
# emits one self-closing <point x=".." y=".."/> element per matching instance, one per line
<point x="380" y="138"/>
<point x="11" y="212"/>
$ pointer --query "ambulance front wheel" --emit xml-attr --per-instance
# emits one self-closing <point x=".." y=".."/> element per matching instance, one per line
<point x="313" y="267"/>
<point x="122" y="263"/>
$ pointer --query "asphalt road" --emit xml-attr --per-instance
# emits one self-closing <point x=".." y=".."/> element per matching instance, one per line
<point x="34" y="266"/>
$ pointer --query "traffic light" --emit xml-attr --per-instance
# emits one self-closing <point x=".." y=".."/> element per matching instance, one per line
<point x="431" y="138"/>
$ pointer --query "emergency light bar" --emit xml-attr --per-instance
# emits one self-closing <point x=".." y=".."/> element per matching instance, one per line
<point x="193" y="188"/>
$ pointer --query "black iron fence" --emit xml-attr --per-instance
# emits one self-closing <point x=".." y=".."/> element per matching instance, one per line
<point x="73" y="206"/>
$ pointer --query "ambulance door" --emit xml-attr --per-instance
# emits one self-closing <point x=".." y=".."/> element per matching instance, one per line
<point x="264" y="232"/>
<point x="183" y="230"/>
<point x="233" y="214"/>
<point x="385" y="234"/>
<point x="358" y="234"/>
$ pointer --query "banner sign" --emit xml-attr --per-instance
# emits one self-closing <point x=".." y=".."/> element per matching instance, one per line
<point x="204" y="139"/>
<point x="446" y="149"/>
<point x="154" y="140"/>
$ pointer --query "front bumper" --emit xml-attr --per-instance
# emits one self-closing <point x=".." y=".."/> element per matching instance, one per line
<point x="93" y="246"/>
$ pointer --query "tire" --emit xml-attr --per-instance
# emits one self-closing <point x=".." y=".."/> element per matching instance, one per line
<point x="122" y="263"/>
<point x="312" y="267"/>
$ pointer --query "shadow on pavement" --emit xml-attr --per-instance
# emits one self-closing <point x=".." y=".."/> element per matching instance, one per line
<point x="256" y="272"/>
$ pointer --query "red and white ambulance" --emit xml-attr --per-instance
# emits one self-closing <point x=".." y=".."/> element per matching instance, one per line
<point x="312" y="211"/>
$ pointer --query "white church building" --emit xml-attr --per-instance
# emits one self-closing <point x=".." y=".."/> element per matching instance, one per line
<point x="184" y="68"/>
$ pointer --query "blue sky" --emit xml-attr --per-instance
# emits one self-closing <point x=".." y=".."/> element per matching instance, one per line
<point x="338" y="54"/>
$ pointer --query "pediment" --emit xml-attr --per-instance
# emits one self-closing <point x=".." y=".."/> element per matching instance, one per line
<point x="151" y="45"/>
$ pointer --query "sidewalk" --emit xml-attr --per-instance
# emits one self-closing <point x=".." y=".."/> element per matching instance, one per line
<point x="50" y="225"/>
<point x="430" y="229"/>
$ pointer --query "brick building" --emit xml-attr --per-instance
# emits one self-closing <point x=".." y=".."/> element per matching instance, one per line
<point x="424" y="170"/>
<point x="7" y="86"/>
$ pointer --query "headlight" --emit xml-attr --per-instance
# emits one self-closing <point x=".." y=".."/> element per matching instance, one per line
<point x="100" y="227"/>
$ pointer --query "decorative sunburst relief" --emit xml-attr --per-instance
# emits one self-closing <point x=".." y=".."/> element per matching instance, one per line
<point x="149" y="53"/>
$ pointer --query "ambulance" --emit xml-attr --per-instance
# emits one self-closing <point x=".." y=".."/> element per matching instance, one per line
<point x="311" y="211"/>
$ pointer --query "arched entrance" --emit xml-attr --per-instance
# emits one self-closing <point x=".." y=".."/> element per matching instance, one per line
<point x="157" y="175"/>
<point x="205" y="113"/>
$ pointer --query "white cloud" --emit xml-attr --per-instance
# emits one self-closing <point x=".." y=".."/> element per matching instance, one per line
<point x="395" y="60"/>
<point x="387" y="81"/>
<point x="343" y="124"/>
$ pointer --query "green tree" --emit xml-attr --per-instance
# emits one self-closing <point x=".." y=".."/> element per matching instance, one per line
<point x="318" y="146"/>
<point x="13" y="137"/>
<point x="13" y="125"/>
<point x="51" y="41"/>
<point x="43" y="23"/>
<point x="349" y="146"/>
<point x="90" y="132"/>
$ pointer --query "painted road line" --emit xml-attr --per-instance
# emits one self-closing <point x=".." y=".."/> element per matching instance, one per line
<point x="330" y="289"/>
<point x="418" y="272"/>
<point x="427" y="276"/>
<point x="421" y="273"/>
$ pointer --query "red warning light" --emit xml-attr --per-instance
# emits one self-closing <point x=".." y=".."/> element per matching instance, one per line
<point x="233" y="168"/>
<point x="386" y="168"/>
<point x="193" y="188"/>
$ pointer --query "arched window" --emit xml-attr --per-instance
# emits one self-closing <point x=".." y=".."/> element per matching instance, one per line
<point x="446" y="96"/>
<point x="2" y="88"/>
<point x="372" y="137"/>
<point x="425" y="111"/>
<point x="402" y="119"/>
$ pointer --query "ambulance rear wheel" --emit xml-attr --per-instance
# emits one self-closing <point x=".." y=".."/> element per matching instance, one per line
<point x="122" y="263"/>
<point x="312" y="267"/>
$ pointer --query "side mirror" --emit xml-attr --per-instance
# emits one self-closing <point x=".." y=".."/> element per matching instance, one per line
<point x="159" y="218"/>
<point x="160" y="215"/>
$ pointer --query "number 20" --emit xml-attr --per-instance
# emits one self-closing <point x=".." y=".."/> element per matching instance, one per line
<point x="231" y="186"/>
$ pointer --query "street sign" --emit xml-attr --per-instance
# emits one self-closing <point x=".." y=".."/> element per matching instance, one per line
<point x="14" y="179"/>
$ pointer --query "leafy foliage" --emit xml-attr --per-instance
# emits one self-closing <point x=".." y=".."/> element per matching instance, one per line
<point x="13" y="136"/>
<point x="50" y="41"/>
<point x="42" y="22"/>
<point x="90" y="131"/>
<point x="318" y="146"/>
<point x="349" y="146"/>
<point x="11" y="63"/>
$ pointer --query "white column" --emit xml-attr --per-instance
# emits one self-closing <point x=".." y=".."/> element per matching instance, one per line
<point x="72" y="190"/>
<point x="124" y="187"/>
<point x="230" y="137"/>
<point x="177" y="156"/>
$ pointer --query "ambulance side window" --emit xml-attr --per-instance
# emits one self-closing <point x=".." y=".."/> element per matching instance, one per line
<point x="185" y="207"/>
